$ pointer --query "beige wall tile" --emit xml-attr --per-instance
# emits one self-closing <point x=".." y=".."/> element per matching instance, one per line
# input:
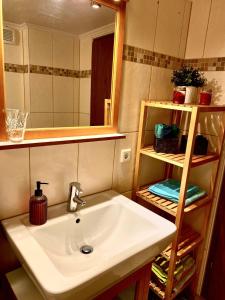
<point x="123" y="172"/>
<point x="95" y="166"/>
<point x="41" y="99"/>
<point x="151" y="170"/>
<point x="63" y="94"/>
<point x="185" y="29"/>
<point x="28" y="124"/>
<point x="161" y="87"/>
<point x="84" y="119"/>
<point x="76" y="119"/>
<point x="56" y="165"/>
<point x="40" y="47"/>
<point x="63" y="119"/>
<point x="141" y="23"/>
<point x="76" y="52"/>
<point x="14" y="90"/>
<point x="215" y="39"/>
<point x="85" y="95"/>
<point x="76" y="96"/>
<point x="85" y="53"/>
<point x="41" y="120"/>
<point x="27" y="91"/>
<point x="14" y="183"/>
<point x="63" y="55"/>
<point x="157" y="116"/>
<point x="14" y="53"/>
<point x="210" y="123"/>
<point x="135" y="87"/>
<point x="216" y="82"/>
<point x="128" y="194"/>
<point x="25" y="35"/>
<point x="197" y="28"/>
<point x="169" y="26"/>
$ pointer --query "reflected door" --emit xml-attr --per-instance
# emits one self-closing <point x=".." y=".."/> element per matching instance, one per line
<point x="101" y="75"/>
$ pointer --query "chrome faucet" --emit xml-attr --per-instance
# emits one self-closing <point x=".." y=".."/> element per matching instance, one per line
<point x="74" y="200"/>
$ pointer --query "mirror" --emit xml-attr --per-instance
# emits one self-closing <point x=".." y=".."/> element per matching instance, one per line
<point x="58" y="57"/>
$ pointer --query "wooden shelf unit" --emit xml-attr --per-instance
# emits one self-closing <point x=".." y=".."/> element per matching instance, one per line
<point x="183" y="243"/>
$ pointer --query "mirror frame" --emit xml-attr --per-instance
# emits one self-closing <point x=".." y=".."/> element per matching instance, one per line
<point x="120" y="8"/>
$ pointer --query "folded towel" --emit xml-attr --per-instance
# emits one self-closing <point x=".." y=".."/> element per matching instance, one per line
<point x="170" y="189"/>
<point x="182" y="269"/>
<point x="182" y="282"/>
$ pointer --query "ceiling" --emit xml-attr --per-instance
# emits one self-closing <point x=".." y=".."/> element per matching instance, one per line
<point x="74" y="16"/>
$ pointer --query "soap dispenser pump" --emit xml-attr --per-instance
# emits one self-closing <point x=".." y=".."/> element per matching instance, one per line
<point x="38" y="206"/>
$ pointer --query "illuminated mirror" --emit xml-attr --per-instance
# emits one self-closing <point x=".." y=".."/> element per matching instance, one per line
<point x="58" y="57"/>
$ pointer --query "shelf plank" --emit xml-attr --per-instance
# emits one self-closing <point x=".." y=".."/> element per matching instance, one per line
<point x="189" y="240"/>
<point x="168" y="105"/>
<point x="178" y="159"/>
<point x="184" y="107"/>
<point x="161" y="292"/>
<point x="169" y="206"/>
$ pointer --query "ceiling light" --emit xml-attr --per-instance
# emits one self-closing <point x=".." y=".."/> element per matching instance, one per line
<point x="95" y="4"/>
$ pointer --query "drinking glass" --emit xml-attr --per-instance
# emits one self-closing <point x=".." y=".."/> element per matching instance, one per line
<point x="16" y="124"/>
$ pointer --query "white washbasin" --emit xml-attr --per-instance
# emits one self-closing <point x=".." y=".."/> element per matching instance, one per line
<point x="123" y="234"/>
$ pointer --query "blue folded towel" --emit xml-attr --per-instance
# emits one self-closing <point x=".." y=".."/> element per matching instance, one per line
<point x="170" y="189"/>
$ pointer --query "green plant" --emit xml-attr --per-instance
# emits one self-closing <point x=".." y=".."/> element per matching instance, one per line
<point x="188" y="76"/>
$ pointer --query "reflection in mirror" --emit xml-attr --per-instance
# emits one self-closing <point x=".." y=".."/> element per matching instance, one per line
<point x="58" y="61"/>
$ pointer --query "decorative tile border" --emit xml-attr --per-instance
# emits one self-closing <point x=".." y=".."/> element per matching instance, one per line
<point x="16" y="68"/>
<point x="35" y="69"/>
<point x="132" y="54"/>
<point x="59" y="71"/>
<point x="84" y="73"/>
<point x="147" y="57"/>
<point x="206" y="64"/>
<point x="143" y="56"/>
<point x="40" y="70"/>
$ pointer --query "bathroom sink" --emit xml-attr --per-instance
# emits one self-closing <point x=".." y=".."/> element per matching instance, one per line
<point x="90" y="249"/>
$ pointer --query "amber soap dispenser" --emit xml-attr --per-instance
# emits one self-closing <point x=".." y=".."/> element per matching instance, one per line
<point x="38" y="206"/>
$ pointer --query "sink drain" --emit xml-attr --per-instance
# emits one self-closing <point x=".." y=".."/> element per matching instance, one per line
<point x="86" y="249"/>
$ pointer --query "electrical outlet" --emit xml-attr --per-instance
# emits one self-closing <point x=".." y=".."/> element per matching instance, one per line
<point x="125" y="155"/>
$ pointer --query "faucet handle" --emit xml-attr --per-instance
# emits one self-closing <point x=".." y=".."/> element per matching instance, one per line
<point x="76" y="185"/>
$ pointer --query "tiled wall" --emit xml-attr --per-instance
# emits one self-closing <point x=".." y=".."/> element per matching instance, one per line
<point x="140" y="80"/>
<point x="206" y="41"/>
<point x="60" y="64"/>
<point x="97" y="165"/>
<point x="206" y="49"/>
<point x="41" y="90"/>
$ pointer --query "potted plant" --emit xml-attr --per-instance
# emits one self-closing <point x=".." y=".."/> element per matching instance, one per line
<point x="188" y="79"/>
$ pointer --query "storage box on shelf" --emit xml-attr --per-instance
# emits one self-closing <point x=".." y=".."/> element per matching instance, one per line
<point x="186" y="240"/>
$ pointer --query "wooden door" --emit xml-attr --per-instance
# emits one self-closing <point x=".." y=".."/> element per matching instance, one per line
<point x="214" y="283"/>
<point x="101" y="75"/>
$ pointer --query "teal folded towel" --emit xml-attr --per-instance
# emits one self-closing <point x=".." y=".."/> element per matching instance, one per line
<point x="170" y="189"/>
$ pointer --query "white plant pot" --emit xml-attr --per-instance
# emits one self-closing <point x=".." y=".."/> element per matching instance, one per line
<point x="191" y="95"/>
